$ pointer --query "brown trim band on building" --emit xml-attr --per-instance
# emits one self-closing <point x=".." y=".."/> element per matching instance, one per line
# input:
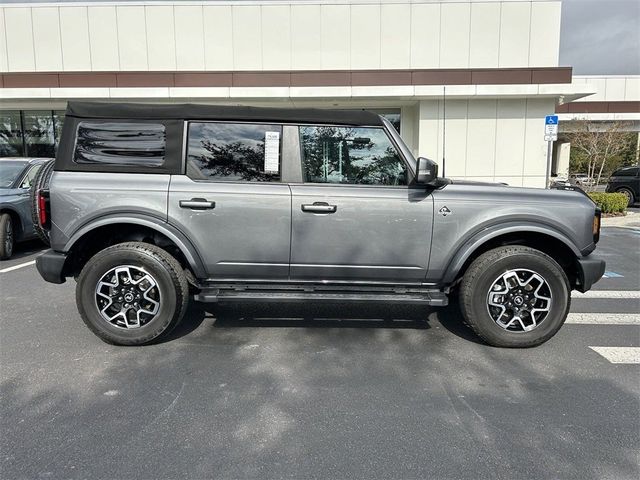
<point x="307" y="78"/>
<point x="599" y="107"/>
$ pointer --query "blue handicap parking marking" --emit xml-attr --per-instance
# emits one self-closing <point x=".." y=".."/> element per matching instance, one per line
<point x="608" y="274"/>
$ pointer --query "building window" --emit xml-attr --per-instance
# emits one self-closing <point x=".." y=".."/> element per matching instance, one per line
<point x="393" y="116"/>
<point x="30" y="133"/>
<point x="11" y="142"/>
<point x="38" y="133"/>
<point x="234" y="152"/>
<point x="58" y="119"/>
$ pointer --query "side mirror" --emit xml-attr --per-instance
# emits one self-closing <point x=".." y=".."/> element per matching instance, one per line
<point x="426" y="171"/>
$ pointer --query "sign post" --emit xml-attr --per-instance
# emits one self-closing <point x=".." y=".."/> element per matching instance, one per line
<point x="550" y="136"/>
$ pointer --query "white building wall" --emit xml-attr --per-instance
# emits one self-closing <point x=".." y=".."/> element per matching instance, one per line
<point x="18" y="29"/>
<point x="563" y="156"/>
<point x="299" y="35"/>
<point x="161" y="35"/>
<point x="74" y="31"/>
<point x="484" y="41"/>
<point x="132" y="37"/>
<point x="104" y="39"/>
<point x="611" y="88"/>
<point x="4" y="65"/>
<point x="276" y="41"/>
<point x="218" y="37"/>
<point x="487" y="140"/>
<point x="47" y="36"/>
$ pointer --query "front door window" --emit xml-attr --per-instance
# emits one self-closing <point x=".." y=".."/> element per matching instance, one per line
<point x="350" y="155"/>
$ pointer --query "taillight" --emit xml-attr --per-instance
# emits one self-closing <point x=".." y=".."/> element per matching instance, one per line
<point x="42" y="209"/>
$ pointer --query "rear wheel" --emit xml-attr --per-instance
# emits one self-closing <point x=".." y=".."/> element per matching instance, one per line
<point x="515" y="296"/>
<point x="6" y="236"/>
<point x="627" y="193"/>
<point x="132" y="293"/>
<point x="40" y="182"/>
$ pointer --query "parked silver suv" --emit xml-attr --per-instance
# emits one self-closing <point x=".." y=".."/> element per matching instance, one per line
<point x="151" y="205"/>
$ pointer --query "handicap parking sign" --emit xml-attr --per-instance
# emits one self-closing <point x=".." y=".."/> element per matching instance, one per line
<point x="551" y="128"/>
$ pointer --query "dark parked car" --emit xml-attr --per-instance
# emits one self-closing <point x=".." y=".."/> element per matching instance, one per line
<point x="627" y="181"/>
<point x="16" y="225"/>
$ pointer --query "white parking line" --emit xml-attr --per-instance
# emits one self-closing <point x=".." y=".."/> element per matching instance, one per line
<point x="629" y="355"/>
<point x="604" y="318"/>
<point x="607" y="294"/>
<point x="16" y="267"/>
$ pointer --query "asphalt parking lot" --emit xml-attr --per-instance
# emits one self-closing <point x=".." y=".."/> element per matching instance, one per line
<point x="320" y="391"/>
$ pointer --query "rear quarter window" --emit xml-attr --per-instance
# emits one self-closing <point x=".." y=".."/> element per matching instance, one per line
<point x="120" y="144"/>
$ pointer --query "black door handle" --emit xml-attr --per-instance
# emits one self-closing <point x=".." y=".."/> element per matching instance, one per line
<point x="319" y="207"/>
<point x="197" y="204"/>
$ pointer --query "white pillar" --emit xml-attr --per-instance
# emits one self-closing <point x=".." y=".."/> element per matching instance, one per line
<point x="563" y="152"/>
<point x="409" y="127"/>
<point x="430" y="130"/>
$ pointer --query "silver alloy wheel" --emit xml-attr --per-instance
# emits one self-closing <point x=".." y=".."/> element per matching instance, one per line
<point x="128" y="297"/>
<point x="627" y="194"/>
<point x="8" y="239"/>
<point x="519" y="300"/>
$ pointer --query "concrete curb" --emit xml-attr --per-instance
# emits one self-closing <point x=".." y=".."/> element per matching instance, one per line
<point x="630" y="220"/>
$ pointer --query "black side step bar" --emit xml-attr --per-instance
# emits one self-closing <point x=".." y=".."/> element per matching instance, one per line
<point x="434" y="298"/>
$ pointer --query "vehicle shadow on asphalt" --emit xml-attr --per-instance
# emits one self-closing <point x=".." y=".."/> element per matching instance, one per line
<point x="25" y="249"/>
<point x="319" y="316"/>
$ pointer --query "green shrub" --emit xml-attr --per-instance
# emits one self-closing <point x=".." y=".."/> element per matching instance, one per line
<point x="610" y="202"/>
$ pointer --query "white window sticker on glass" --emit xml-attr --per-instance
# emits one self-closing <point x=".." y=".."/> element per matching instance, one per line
<point x="271" y="151"/>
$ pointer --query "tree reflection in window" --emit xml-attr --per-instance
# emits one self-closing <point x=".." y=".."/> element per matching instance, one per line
<point x="11" y="144"/>
<point x="350" y="155"/>
<point x="38" y="133"/>
<point x="229" y="152"/>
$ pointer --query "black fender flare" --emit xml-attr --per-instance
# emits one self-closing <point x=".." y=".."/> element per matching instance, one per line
<point x="160" y="226"/>
<point x="477" y="240"/>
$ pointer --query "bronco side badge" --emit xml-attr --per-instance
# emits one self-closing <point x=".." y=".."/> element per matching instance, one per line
<point x="444" y="211"/>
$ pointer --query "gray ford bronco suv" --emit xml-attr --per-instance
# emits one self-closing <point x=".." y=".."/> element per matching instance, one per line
<point x="151" y="205"/>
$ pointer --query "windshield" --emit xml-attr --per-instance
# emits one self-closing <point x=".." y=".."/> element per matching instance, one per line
<point x="9" y="172"/>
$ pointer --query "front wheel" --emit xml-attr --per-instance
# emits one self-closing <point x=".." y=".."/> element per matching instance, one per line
<point x="132" y="293"/>
<point x="515" y="296"/>
<point x="629" y="194"/>
<point x="6" y="236"/>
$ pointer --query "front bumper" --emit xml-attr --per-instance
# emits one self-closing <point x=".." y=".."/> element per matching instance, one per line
<point x="50" y="265"/>
<point x="590" y="270"/>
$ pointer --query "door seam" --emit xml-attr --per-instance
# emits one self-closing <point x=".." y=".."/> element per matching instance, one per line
<point x="290" y="229"/>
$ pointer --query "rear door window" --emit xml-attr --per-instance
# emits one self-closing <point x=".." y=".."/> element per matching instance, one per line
<point x="120" y="144"/>
<point x="234" y="152"/>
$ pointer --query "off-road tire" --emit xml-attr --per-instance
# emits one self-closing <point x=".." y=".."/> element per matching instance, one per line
<point x="165" y="269"/>
<point x="479" y="278"/>
<point x="7" y="236"/>
<point x="40" y="182"/>
<point x="628" y="193"/>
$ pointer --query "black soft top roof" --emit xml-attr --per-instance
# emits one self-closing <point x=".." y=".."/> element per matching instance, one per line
<point x="221" y="112"/>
